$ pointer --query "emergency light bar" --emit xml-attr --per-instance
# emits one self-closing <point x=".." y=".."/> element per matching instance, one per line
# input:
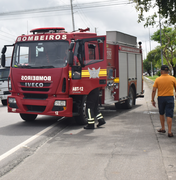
<point x="44" y="30"/>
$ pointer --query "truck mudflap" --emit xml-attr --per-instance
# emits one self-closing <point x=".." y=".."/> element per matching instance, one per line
<point x="51" y="106"/>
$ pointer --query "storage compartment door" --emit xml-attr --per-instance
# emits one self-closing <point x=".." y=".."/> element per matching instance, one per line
<point x="131" y="67"/>
<point x="123" y="78"/>
<point x="139" y="73"/>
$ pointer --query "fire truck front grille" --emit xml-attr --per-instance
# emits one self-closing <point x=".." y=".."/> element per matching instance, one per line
<point x="35" y="89"/>
<point x="28" y="87"/>
<point x="44" y="84"/>
<point x="35" y="96"/>
<point x="32" y="108"/>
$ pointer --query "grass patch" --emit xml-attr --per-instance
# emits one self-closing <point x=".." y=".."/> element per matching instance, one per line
<point x="153" y="78"/>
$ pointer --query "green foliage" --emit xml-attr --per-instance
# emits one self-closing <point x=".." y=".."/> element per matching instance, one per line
<point x="153" y="78"/>
<point x="168" y="39"/>
<point x="166" y="8"/>
<point x="154" y="56"/>
<point x="166" y="33"/>
<point x="158" y="73"/>
<point x="146" y="65"/>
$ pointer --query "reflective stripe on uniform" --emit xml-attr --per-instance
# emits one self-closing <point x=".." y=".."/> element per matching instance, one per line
<point x="91" y="122"/>
<point x="90" y="119"/>
<point x="89" y="115"/>
<point x="99" y="116"/>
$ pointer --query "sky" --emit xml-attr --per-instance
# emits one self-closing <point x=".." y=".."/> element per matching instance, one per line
<point x="98" y="15"/>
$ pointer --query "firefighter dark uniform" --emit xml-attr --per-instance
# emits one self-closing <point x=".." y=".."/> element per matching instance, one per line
<point x="92" y="110"/>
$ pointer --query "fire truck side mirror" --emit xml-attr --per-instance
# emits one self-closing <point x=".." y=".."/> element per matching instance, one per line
<point x="3" y="60"/>
<point x="3" y="56"/>
<point x="4" y="50"/>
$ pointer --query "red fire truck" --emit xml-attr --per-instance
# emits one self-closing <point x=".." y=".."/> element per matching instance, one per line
<point x="52" y="72"/>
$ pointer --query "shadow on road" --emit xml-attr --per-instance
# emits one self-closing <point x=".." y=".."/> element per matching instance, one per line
<point x="24" y="128"/>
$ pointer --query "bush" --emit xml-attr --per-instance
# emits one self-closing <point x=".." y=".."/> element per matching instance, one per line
<point x="158" y="73"/>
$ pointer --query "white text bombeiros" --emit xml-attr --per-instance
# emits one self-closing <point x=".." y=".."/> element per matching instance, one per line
<point x="42" y="37"/>
<point x="36" y="78"/>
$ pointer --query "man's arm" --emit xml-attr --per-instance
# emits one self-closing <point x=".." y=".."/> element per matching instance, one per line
<point x="175" y="88"/>
<point x="153" y="96"/>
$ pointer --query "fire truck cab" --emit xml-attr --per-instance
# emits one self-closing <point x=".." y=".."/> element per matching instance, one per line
<point x="43" y="81"/>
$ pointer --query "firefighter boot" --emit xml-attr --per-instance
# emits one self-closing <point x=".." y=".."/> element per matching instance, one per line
<point x="89" y="126"/>
<point x="101" y="122"/>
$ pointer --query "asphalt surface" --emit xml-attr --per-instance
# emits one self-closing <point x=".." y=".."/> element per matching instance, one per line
<point x="128" y="147"/>
<point x="14" y="130"/>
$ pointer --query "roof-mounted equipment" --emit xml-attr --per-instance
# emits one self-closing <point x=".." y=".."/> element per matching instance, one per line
<point x="48" y="30"/>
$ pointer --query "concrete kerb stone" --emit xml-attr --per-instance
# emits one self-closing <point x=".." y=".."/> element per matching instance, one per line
<point x="150" y="84"/>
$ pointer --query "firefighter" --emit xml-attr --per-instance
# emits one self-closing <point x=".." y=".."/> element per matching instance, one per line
<point x="92" y="110"/>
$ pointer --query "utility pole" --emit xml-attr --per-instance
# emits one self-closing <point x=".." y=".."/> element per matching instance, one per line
<point x="95" y="30"/>
<point x="161" y="41"/>
<point x="151" y="70"/>
<point x="27" y="27"/>
<point x="149" y="40"/>
<point x="150" y="50"/>
<point x="73" y="23"/>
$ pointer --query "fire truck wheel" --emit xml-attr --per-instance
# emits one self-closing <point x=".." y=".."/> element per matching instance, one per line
<point x="130" y="101"/>
<point x="28" y="117"/>
<point x="4" y="102"/>
<point x="81" y="119"/>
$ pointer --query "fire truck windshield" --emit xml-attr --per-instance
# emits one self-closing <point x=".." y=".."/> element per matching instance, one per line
<point x="45" y="54"/>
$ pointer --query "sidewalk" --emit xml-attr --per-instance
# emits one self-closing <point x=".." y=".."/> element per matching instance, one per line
<point x="128" y="147"/>
<point x="167" y="146"/>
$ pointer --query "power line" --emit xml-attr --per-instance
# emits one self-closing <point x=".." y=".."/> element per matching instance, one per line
<point x="6" y="36"/>
<point x="6" y="33"/>
<point x="7" y="40"/>
<point x="39" y="16"/>
<point x="83" y="17"/>
<point x="65" y="8"/>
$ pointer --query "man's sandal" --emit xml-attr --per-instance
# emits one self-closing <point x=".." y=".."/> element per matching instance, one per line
<point x="161" y="130"/>
<point x="170" y="135"/>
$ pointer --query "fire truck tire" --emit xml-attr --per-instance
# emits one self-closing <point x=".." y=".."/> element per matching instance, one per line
<point x="4" y="102"/>
<point x="28" y="117"/>
<point x="81" y="119"/>
<point x="130" y="101"/>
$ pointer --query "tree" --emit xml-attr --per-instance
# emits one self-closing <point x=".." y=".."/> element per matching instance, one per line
<point x="168" y="39"/>
<point x="147" y="66"/>
<point x="166" y="8"/>
<point x="154" y="57"/>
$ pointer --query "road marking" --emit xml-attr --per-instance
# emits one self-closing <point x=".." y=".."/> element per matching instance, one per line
<point x="23" y="144"/>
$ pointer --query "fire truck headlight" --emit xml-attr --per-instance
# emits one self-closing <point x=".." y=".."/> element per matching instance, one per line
<point x="59" y="103"/>
<point x="12" y="100"/>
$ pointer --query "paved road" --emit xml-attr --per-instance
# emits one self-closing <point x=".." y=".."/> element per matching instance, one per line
<point x="128" y="147"/>
<point x="13" y="130"/>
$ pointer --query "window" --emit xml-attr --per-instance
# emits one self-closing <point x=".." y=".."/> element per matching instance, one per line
<point x="91" y="48"/>
<point x="92" y="52"/>
<point x="49" y="54"/>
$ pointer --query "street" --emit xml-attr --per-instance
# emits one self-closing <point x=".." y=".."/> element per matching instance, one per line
<point x="13" y="130"/>
<point x="127" y="147"/>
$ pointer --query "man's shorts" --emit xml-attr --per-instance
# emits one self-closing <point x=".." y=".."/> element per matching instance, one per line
<point x="166" y="105"/>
